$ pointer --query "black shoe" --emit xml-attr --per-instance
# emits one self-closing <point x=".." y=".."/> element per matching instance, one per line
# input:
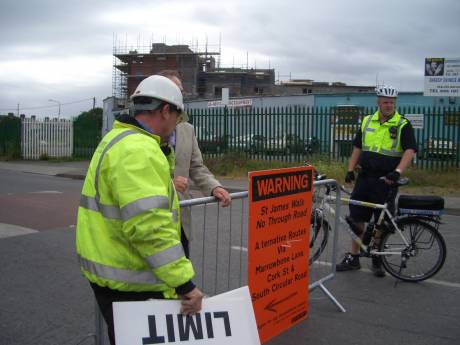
<point x="377" y="267"/>
<point x="350" y="262"/>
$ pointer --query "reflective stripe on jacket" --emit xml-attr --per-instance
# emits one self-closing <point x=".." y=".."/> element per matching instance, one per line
<point x="376" y="136"/>
<point x="128" y="230"/>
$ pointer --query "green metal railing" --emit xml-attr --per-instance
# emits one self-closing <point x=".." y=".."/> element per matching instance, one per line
<point x="291" y="134"/>
<point x="296" y="133"/>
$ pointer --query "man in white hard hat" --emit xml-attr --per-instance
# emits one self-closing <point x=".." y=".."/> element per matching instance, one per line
<point x="189" y="165"/>
<point x="128" y="227"/>
<point x="383" y="148"/>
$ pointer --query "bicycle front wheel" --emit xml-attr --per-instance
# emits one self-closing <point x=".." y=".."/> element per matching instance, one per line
<point x="421" y="259"/>
<point x="319" y="233"/>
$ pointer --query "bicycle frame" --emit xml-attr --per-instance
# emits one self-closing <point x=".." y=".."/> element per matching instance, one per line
<point x="356" y="238"/>
<point x="385" y="240"/>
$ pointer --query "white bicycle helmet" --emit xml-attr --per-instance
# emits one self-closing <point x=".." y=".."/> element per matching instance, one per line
<point x="386" y="91"/>
<point x="158" y="88"/>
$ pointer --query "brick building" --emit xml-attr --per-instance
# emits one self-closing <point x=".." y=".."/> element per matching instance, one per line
<point x="200" y="75"/>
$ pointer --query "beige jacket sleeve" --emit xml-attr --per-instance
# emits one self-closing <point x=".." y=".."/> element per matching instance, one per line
<point x="189" y="160"/>
<point x="189" y="164"/>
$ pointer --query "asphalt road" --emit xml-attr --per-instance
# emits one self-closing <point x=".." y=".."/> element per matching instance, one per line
<point x="46" y="301"/>
<point x="38" y="202"/>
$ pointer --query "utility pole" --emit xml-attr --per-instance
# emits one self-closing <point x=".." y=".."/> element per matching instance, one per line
<point x="94" y="102"/>
<point x="59" y="106"/>
<point x="18" y="109"/>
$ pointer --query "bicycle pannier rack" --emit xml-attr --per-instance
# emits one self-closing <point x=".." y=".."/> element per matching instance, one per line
<point x="428" y="205"/>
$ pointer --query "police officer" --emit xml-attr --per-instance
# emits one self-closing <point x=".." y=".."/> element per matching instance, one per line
<point x="383" y="148"/>
<point x="128" y="227"/>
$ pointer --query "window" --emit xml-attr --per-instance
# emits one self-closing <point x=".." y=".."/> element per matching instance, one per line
<point x="258" y="90"/>
<point x="218" y="91"/>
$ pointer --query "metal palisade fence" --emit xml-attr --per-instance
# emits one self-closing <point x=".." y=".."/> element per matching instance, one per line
<point x="296" y="133"/>
<point x="32" y="138"/>
<point x="42" y="139"/>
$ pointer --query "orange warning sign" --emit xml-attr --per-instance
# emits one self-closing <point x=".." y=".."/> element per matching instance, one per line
<point x="278" y="248"/>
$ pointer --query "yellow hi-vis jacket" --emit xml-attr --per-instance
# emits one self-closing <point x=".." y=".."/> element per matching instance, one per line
<point x="128" y="226"/>
<point x="376" y="136"/>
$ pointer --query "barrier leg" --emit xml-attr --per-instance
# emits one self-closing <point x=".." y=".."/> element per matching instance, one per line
<point x="320" y="284"/>
<point x="332" y="298"/>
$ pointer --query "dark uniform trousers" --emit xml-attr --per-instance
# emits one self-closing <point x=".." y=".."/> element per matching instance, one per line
<point x="371" y="189"/>
<point x="105" y="297"/>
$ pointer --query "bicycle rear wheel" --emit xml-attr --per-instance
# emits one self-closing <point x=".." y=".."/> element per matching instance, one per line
<point x="424" y="256"/>
<point x="319" y="234"/>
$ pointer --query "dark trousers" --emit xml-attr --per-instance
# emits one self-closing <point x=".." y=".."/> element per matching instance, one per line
<point x="184" y="242"/>
<point x="371" y="189"/>
<point x="105" y="297"/>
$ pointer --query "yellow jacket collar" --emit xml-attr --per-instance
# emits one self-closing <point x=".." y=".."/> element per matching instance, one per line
<point x="392" y="121"/>
<point x="118" y="124"/>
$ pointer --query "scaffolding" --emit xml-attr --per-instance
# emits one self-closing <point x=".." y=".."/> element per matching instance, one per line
<point x="132" y="63"/>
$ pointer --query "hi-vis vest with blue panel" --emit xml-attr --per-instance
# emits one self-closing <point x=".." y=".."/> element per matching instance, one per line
<point x="128" y="226"/>
<point x="376" y="137"/>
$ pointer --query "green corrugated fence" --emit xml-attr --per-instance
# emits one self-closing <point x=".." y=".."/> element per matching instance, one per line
<point x="296" y="133"/>
<point x="86" y="134"/>
<point x="10" y="137"/>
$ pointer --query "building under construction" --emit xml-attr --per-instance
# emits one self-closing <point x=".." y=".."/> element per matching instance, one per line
<point x="200" y="71"/>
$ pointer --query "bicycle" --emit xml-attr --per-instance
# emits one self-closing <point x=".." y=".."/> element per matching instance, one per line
<point x="411" y="246"/>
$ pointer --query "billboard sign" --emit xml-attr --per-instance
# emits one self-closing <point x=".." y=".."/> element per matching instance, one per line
<point x="442" y="77"/>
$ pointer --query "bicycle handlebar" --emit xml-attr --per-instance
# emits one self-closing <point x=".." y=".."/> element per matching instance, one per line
<point x="402" y="181"/>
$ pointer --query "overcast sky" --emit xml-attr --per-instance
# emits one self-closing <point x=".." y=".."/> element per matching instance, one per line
<point x="62" y="50"/>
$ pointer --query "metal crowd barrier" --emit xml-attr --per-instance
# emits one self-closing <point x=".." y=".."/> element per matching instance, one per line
<point x="218" y="247"/>
<point x="219" y="242"/>
<point x="323" y="268"/>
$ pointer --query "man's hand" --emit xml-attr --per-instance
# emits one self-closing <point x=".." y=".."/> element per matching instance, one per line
<point x="349" y="177"/>
<point x="191" y="302"/>
<point x="181" y="183"/>
<point x="223" y="196"/>
<point x="392" y="177"/>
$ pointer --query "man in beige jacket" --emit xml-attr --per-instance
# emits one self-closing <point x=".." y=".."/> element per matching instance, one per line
<point x="189" y="166"/>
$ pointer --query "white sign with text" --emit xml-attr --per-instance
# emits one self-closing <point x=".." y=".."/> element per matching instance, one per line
<point x="442" y="77"/>
<point x="416" y="120"/>
<point x="247" y="102"/>
<point x="225" y="319"/>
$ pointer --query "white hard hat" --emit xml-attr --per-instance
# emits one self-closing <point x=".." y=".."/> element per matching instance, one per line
<point x="386" y="91"/>
<point x="159" y="88"/>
